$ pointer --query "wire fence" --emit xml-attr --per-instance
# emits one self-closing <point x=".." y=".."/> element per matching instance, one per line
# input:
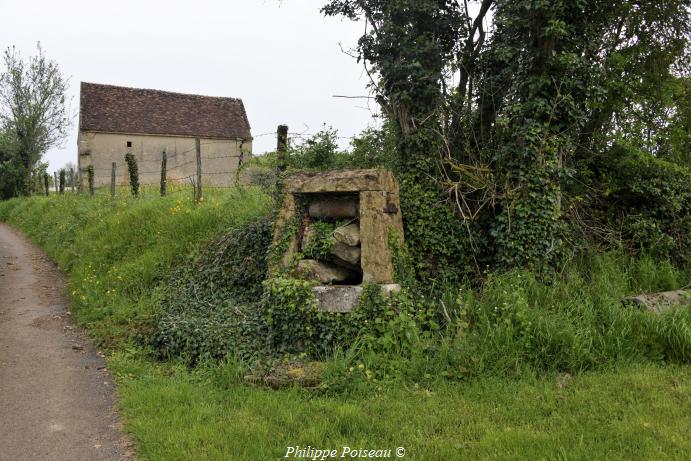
<point x="183" y="172"/>
<point x="176" y="173"/>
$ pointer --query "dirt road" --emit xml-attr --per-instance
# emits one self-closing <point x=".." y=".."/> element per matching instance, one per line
<point x="56" y="396"/>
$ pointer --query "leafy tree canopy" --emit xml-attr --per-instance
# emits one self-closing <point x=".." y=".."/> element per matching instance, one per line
<point x="507" y="109"/>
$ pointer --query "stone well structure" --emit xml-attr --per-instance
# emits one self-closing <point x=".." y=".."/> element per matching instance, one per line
<point x="363" y="207"/>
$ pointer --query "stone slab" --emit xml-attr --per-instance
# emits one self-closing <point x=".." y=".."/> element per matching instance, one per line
<point x="341" y="181"/>
<point x="658" y="303"/>
<point x="337" y="298"/>
<point x="345" y="298"/>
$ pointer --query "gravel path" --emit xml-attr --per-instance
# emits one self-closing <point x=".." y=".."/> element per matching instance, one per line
<point x="56" y="395"/>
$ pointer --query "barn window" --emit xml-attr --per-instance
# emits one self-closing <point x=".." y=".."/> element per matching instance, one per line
<point x="129" y="143"/>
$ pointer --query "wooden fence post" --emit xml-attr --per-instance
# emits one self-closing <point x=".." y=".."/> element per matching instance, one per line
<point x="61" y="181"/>
<point x="55" y="181"/>
<point x="45" y="184"/>
<point x="281" y="160"/>
<point x="90" y="178"/>
<point x="198" y="189"/>
<point x="164" y="181"/>
<point x="282" y="148"/>
<point x="72" y="178"/>
<point x="112" y="179"/>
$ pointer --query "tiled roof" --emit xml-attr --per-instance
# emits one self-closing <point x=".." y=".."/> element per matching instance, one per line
<point x="117" y="109"/>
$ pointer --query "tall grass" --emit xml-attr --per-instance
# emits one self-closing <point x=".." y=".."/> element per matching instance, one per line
<point x="516" y="325"/>
<point x="119" y="253"/>
<point x="116" y="251"/>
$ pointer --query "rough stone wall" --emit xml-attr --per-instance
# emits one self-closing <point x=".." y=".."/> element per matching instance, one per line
<point x="220" y="157"/>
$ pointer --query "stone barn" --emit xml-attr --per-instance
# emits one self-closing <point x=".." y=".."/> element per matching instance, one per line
<point x="114" y="121"/>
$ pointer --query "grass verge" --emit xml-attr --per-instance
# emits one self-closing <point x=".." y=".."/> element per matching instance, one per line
<point x="119" y="252"/>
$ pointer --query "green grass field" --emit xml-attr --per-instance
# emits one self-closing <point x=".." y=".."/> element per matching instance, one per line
<point x="118" y="253"/>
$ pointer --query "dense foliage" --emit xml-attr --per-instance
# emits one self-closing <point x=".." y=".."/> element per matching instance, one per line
<point x="210" y="306"/>
<point x="33" y="117"/>
<point x="644" y="203"/>
<point x="501" y="110"/>
<point x="13" y="175"/>
<point x="133" y="172"/>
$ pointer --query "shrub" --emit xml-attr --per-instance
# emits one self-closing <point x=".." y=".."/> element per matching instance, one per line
<point x="133" y="171"/>
<point x="320" y="245"/>
<point x="650" y="201"/>
<point x="210" y="304"/>
<point x="13" y="179"/>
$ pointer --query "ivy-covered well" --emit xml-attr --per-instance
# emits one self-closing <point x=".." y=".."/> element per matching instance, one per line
<point x="333" y="231"/>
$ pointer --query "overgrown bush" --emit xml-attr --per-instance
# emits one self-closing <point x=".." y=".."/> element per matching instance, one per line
<point x="133" y="171"/>
<point x="442" y="248"/>
<point x="649" y="200"/>
<point x="210" y="305"/>
<point x="320" y="244"/>
<point x="12" y="179"/>
<point x="296" y="326"/>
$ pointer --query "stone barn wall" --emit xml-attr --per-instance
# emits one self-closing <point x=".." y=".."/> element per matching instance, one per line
<point x="220" y="157"/>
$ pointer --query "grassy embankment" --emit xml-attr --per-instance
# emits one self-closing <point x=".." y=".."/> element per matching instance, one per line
<point x="117" y="253"/>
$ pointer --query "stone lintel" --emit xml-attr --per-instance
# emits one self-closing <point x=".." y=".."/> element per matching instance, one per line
<point x="342" y="181"/>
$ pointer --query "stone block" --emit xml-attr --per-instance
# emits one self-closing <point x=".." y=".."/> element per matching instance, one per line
<point x="337" y="298"/>
<point x="334" y="208"/>
<point x="287" y="212"/>
<point x="309" y="235"/>
<point x="661" y="302"/>
<point x="375" y="224"/>
<point x="348" y="234"/>
<point x="311" y="269"/>
<point x="346" y="253"/>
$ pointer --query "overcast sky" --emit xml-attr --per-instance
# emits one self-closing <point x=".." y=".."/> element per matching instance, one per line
<point x="281" y="57"/>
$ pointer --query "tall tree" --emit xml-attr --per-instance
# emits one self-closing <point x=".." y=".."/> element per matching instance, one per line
<point x="33" y="104"/>
<point x="508" y="103"/>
